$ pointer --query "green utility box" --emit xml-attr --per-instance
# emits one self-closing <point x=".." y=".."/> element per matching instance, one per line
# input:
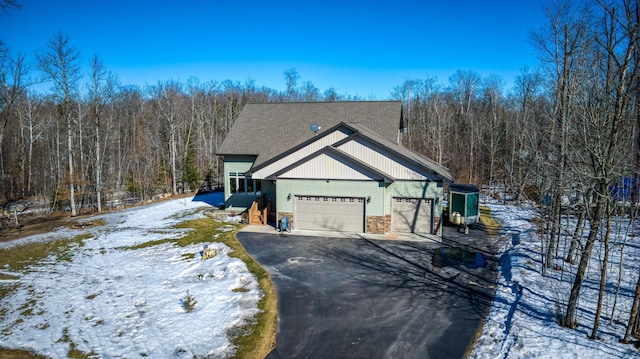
<point x="464" y="205"/>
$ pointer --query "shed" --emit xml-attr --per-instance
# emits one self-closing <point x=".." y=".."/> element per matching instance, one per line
<point x="464" y="204"/>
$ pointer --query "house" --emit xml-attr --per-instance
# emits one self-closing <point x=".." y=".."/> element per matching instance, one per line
<point x="331" y="166"/>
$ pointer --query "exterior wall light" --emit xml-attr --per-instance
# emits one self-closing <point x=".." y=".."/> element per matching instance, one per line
<point x="289" y="197"/>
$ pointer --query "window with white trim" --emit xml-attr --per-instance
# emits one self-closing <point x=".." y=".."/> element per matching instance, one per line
<point x="241" y="184"/>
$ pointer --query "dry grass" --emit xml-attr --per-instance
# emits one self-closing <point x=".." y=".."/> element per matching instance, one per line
<point x="17" y="354"/>
<point x="492" y="226"/>
<point x="20" y="257"/>
<point x="255" y="340"/>
<point x="259" y="339"/>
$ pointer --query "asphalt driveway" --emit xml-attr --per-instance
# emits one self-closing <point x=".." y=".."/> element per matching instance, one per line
<point x="365" y="298"/>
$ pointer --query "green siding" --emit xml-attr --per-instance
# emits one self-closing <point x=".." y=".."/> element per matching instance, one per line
<point x="457" y="203"/>
<point x="380" y="194"/>
<point x="464" y="203"/>
<point x="416" y="189"/>
<point x="269" y="191"/>
<point x="236" y="164"/>
<point x="336" y="188"/>
<point x="472" y="204"/>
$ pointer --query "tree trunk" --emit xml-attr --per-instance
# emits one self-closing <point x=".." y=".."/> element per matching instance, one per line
<point x="633" y="318"/>
<point x="575" y="240"/>
<point x="174" y="175"/>
<point x="98" y="165"/>
<point x="72" y="199"/>
<point x="620" y="272"/>
<point x="635" y="188"/>
<point x="603" y="280"/>
<point x="569" y="319"/>
<point x="554" y="227"/>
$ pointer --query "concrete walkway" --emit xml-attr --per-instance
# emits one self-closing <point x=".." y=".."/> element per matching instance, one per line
<point x="267" y="229"/>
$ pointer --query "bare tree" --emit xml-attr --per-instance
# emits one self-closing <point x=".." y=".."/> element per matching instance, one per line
<point x="12" y="86"/>
<point x="406" y="93"/>
<point x="60" y="62"/>
<point x="291" y="78"/>
<point x="168" y="101"/>
<point x="7" y="5"/>
<point x="524" y="135"/>
<point x="633" y="326"/>
<point x="32" y="129"/>
<point x="101" y="90"/>
<point x="331" y="95"/>
<point x="309" y="92"/>
<point x="440" y="114"/>
<point x="464" y="87"/>
<point x="563" y="47"/>
<point x="493" y="127"/>
<point x="605" y="103"/>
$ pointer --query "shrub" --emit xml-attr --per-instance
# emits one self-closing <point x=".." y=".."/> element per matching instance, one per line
<point x="189" y="303"/>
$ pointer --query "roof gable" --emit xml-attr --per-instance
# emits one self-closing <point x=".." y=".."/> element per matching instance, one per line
<point x="327" y="138"/>
<point x="396" y="160"/>
<point x="361" y="148"/>
<point x="331" y="163"/>
<point x="269" y="129"/>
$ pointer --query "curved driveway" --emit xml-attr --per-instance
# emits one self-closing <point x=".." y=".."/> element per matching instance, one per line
<point x="365" y="298"/>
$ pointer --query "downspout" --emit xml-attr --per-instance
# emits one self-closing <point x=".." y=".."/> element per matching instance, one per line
<point x="384" y="205"/>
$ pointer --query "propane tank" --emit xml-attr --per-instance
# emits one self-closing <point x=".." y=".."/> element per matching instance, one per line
<point x="456" y="218"/>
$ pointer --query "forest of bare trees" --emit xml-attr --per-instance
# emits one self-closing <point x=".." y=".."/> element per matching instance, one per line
<point x="561" y="136"/>
<point x="90" y="136"/>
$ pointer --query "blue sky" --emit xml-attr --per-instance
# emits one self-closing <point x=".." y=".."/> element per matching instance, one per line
<point x="357" y="47"/>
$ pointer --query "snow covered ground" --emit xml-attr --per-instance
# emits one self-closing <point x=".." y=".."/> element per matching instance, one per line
<point x="128" y="303"/>
<point x="115" y="302"/>
<point x="523" y="319"/>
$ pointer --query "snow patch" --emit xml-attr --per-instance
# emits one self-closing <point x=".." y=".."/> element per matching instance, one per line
<point x="114" y="302"/>
<point x="523" y="321"/>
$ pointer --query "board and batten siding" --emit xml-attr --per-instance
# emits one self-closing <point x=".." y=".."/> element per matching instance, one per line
<point x="383" y="160"/>
<point x="325" y="167"/>
<point x="301" y="153"/>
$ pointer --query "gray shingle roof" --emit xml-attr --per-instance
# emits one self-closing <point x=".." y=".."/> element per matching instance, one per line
<point x="268" y="129"/>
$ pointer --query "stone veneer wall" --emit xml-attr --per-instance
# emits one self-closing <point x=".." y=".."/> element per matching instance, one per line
<point x="379" y="224"/>
<point x="288" y="214"/>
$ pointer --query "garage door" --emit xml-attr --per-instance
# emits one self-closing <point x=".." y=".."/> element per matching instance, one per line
<point x="411" y="215"/>
<point x="345" y="214"/>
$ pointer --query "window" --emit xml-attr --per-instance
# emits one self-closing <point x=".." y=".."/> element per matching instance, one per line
<point x="250" y="184"/>
<point x="233" y="182"/>
<point x="239" y="184"/>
